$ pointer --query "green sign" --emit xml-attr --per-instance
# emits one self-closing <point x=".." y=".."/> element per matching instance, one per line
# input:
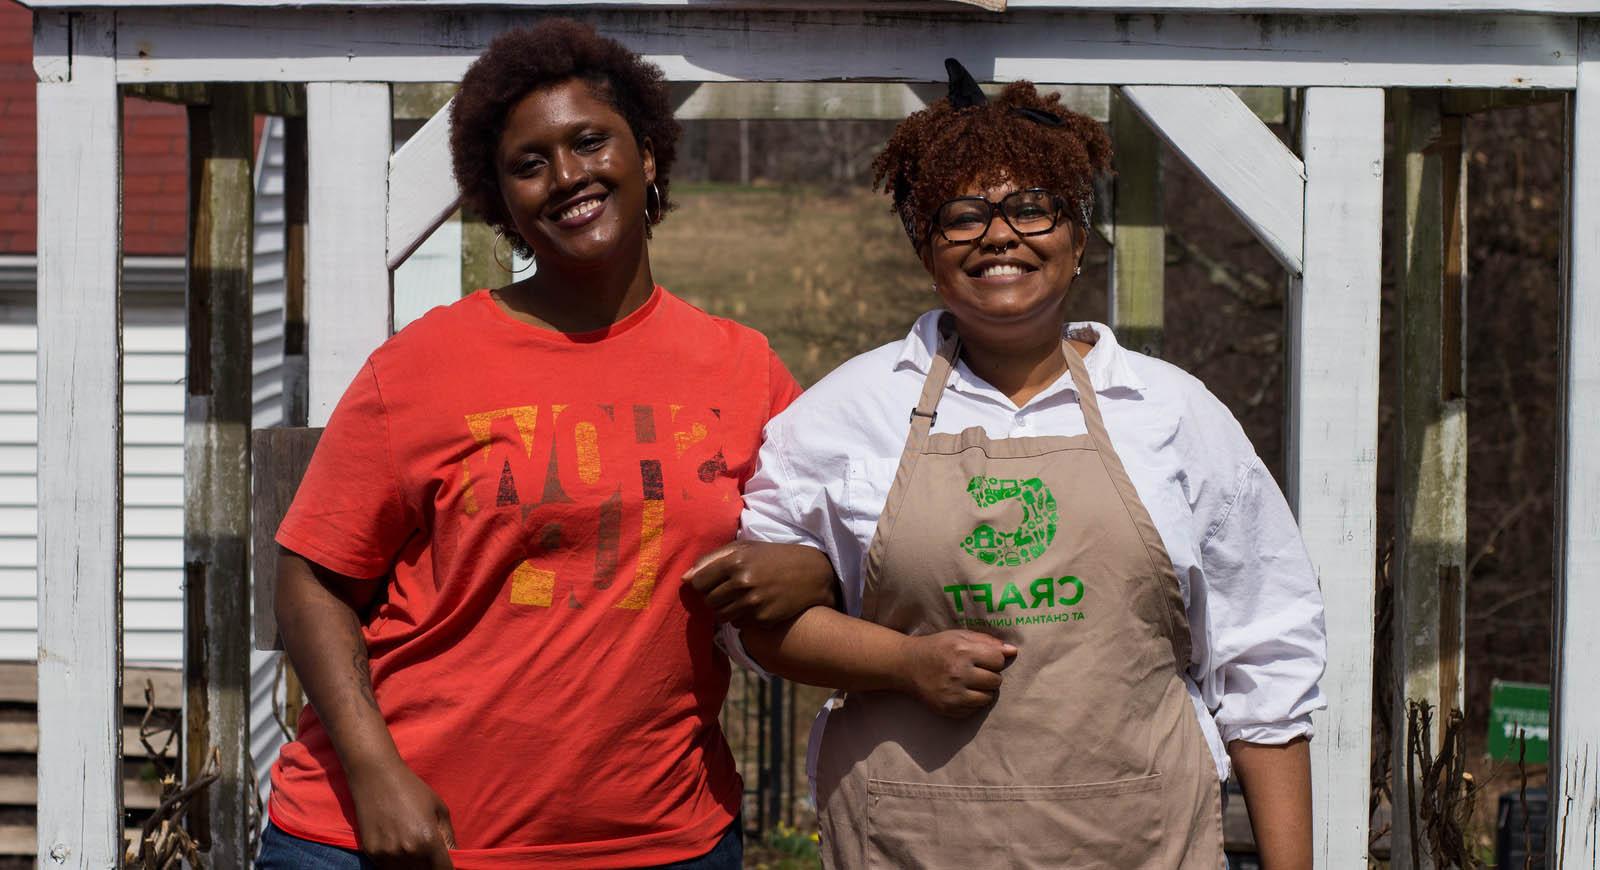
<point x="1519" y="708"/>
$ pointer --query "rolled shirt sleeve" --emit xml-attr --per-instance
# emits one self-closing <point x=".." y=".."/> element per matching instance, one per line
<point x="1267" y="642"/>
<point x="770" y="515"/>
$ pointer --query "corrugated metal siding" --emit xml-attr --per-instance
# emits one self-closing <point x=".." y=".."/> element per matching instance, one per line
<point x="270" y="289"/>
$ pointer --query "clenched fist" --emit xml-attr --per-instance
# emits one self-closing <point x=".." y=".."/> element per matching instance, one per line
<point x="749" y="582"/>
<point x="956" y="672"/>
<point x="400" y="822"/>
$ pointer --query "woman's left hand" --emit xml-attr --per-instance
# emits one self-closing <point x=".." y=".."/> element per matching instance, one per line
<point x="754" y="582"/>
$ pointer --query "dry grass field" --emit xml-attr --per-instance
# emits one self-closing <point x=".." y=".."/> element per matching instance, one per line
<point x="824" y="276"/>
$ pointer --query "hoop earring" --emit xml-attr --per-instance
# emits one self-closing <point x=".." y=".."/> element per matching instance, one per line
<point x="648" y="220"/>
<point x="509" y="262"/>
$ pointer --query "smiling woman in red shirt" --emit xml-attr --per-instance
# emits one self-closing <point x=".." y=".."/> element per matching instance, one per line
<point x="480" y="580"/>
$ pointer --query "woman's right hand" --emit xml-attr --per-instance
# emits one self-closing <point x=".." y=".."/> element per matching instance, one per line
<point x="400" y="822"/>
<point x="956" y="672"/>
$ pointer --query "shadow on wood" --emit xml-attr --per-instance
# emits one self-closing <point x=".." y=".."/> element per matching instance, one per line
<point x="279" y="458"/>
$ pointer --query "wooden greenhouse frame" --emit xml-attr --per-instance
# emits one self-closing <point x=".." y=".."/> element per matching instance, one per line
<point x="1318" y="209"/>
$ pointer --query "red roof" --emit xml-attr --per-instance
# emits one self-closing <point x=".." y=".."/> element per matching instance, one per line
<point x="155" y="163"/>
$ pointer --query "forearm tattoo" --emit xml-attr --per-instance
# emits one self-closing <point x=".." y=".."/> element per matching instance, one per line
<point x="364" y="677"/>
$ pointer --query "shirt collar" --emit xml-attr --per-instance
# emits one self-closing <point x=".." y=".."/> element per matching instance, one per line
<point x="1108" y="362"/>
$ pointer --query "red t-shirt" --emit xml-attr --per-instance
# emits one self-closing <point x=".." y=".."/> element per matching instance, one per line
<point x="533" y="499"/>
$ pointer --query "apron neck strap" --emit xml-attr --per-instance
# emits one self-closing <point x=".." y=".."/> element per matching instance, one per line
<point x="1087" y="400"/>
<point x="927" y="409"/>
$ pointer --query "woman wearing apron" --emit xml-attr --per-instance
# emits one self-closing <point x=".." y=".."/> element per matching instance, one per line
<point x="1075" y="594"/>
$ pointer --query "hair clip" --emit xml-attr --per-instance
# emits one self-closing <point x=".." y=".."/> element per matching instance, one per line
<point x="964" y="90"/>
<point x="1038" y="116"/>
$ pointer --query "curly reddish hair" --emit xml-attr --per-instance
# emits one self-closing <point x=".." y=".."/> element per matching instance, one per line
<point x="936" y="152"/>
<point x="523" y="60"/>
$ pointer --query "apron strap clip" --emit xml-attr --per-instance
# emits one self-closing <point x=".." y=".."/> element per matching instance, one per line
<point x="932" y="416"/>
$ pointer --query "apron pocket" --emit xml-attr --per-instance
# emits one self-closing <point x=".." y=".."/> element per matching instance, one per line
<point x="1114" y="824"/>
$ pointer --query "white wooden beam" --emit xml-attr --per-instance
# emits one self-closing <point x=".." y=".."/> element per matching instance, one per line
<point x="1575" y="755"/>
<point x="348" y="300"/>
<point x="1326" y="7"/>
<point x="80" y="455"/>
<point x="422" y="187"/>
<point x="821" y="100"/>
<point x="1258" y="178"/>
<point x="408" y="44"/>
<point x="1333" y="439"/>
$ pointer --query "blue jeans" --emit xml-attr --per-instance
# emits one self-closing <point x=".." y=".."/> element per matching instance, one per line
<point x="283" y="851"/>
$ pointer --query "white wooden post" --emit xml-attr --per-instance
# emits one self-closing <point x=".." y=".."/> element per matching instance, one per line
<point x="1333" y="439"/>
<point x="1575" y="755"/>
<point x="348" y="305"/>
<point x="80" y="443"/>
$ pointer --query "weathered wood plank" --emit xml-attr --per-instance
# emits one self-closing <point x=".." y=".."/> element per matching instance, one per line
<point x="18" y="789"/>
<point x="19" y="684"/>
<point x="422" y="187"/>
<point x="280" y="457"/>
<point x="1139" y="248"/>
<point x="841" y="100"/>
<point x="80" y="453"/>
<point x="1333" y="439"/>
<point x="1431" y="436"/>
<point x="263" y="98"/>
<point x="419" y="101"/>
<point x="23" y="738"/>
<point x="1575" y="754"/>
<point x="217" y="470"/>
<point x="19" y="840"/>
<point x="52" y="47"/>
<point x="882" y="101"/>
<point x="348" y="304"/>
<point x="1236" y="155"/>
<point x="1556" y="7"/>
<point x="817" y="45"/>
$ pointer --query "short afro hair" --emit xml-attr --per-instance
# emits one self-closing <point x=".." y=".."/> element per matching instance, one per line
<point x="939" y="150"/>
<point x="521" y="61"/>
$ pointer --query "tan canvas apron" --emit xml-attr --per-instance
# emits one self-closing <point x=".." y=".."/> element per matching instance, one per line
<point x="1091" y="757"/>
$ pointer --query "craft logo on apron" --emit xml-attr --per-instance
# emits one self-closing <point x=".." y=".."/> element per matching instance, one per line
<point x="981" y="604"/>
<point x="1030" y="538"/>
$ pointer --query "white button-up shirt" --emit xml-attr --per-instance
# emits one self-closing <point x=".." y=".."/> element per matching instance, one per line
<point x="1255" y="611"/>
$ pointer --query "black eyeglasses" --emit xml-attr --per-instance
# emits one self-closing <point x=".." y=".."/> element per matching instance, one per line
<point x="1031" y="212"/>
